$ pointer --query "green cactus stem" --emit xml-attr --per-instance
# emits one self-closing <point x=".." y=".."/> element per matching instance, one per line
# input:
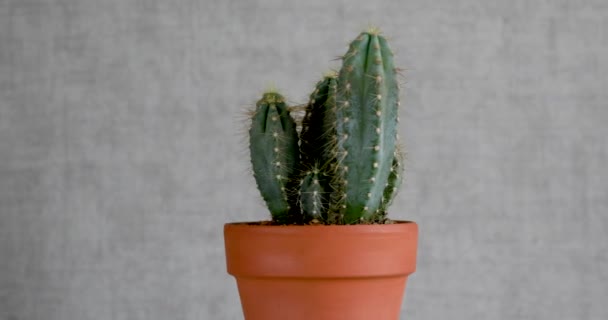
<point x="395" y="179"/>
<point x="313" y="195"/>
<point x="274" y="154"/>
<point x="367" y="99"/>
<point x="316" y="136"/>
<point x="315" y="141"/>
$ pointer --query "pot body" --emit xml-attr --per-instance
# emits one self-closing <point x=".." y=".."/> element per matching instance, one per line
<point x="352" y="272"/>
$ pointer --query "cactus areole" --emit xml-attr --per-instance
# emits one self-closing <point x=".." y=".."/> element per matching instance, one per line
<point x="344" y="166"/>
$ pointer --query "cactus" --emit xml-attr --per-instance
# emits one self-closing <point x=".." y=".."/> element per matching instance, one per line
<point x="346" y="168"/>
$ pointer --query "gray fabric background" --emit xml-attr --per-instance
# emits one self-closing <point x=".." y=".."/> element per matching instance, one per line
<point x="122" y="150"/>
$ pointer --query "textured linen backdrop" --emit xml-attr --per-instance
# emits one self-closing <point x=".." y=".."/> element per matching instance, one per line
<point x="122" y="150"/>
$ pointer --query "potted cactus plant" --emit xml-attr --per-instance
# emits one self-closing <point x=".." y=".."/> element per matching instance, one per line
<point x="330" y="251"/>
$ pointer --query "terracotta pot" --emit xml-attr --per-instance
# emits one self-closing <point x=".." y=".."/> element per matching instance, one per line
<point x="355" y="272"/>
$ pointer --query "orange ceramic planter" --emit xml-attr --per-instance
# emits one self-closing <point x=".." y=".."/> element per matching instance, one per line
<point x="354" y="272"/>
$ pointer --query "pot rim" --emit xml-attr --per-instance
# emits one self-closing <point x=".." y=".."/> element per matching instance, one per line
<point x="257" y="224"/>
<point x="343" y="250"/>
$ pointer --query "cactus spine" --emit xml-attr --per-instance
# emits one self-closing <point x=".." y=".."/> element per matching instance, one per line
<point x="346" y="168"/>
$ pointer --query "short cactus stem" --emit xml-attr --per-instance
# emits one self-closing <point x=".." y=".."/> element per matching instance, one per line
<point x="274" y="153"/>
<point x="395" y="179"/>
<point x="313" y="195"/>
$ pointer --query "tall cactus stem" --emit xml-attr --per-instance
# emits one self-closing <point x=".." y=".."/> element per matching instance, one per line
<point x="366" y="113"/>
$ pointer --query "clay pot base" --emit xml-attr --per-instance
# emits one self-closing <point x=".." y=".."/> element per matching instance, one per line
<point x="321" y="272"/>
